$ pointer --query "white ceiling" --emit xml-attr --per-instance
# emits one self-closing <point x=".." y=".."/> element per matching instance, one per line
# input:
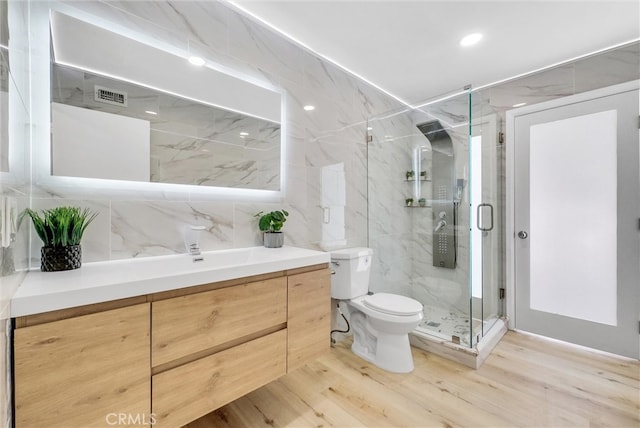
<point x="411" y="50"/>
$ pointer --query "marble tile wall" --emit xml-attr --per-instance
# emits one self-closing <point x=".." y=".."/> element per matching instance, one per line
<point x="390" y="221"/>
<point x="134" y="224"/>
<point x="600" y="70"/>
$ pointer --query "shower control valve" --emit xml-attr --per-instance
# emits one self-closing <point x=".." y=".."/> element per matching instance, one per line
<point x="442" y="223"/>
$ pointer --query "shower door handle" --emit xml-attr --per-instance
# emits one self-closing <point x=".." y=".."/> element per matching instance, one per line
<point x="484" y="229"/>
<point x="523" y="235"/>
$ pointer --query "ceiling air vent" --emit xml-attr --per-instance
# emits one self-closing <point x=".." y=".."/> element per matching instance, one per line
<point x="110" y="96"/>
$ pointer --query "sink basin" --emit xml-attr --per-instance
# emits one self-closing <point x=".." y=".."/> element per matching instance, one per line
<point x="209" y="260"/>
<point x="111" y="280"/>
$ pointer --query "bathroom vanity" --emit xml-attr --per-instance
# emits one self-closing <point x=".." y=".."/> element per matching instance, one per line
<point x="168" y="355"/>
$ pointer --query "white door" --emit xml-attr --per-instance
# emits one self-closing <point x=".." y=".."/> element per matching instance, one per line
<point x="576" y="220"/>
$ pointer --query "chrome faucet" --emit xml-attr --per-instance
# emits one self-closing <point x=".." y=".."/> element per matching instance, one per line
<point x="442" y="222"/>
<point x="192" y="239"/>
<point x="194" y="249"/>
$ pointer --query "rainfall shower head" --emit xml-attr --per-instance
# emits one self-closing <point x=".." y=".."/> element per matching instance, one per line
<point x="437" y="136"/>
<point x="433" y="130"/>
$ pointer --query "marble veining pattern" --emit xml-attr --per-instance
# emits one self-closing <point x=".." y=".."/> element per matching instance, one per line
<point x="151" y="229"/>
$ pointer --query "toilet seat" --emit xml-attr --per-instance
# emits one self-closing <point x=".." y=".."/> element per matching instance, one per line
<point x="393" y="304"/>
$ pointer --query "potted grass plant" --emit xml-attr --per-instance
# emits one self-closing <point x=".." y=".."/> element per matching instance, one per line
<point x="61" y="230"/>
<point x="271" y="225"/>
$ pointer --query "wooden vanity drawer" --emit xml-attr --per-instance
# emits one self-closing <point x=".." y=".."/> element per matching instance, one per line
<point x="185" y="393"/>
<point x="309" y="322"/>
<point x="83" y="371"/>
<point x="186" y="325"/>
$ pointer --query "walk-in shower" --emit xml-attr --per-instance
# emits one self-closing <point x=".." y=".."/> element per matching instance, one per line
<point x="434" y="214"/>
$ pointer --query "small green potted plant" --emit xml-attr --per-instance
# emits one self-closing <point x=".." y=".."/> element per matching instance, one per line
<point x="271" y="224"/>
<point x="61" y="230"/>
<point x="409" y="202"/>
<point x="423" y="175"/>
<point x="422" y="202"/>
<point x="410" y="174"/>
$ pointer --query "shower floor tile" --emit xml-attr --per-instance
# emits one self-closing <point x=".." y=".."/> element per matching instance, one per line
<point x="445" y="324"/>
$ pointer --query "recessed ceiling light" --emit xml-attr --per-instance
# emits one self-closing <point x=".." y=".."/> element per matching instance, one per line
<point x="196" y="60"/>
<point x="244" y="134"/>
<point x="151" y="112"/>
<point x="519" y="105"/>
<point x="369" y="128"/>
<point x="309" y="107"/>
<point x="471" y="39"/>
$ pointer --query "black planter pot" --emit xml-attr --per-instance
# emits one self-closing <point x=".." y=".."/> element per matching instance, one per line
<point x="273" y="239"/>
<point x="60" y="258"/>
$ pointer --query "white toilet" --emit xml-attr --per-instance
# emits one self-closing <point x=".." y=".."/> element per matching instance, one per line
<point x="380" y="322"/>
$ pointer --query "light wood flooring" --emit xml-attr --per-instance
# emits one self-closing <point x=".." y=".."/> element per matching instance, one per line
<point x="527" y="381"/>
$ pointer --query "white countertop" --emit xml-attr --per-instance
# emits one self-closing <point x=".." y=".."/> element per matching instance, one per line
<point x="111" y="280"/>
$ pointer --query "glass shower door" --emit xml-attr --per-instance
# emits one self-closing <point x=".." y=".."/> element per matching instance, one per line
<point x="486" y="217"/>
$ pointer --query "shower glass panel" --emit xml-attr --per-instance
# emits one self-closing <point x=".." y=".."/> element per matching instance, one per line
<point x="485" y="155"/>
<point x="418" y="162"/>
<point x="422" y="219"/>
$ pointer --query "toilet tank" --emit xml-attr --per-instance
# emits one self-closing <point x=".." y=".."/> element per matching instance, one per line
<point x="352" y="267"/>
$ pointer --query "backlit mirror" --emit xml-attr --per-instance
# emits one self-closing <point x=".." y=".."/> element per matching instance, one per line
<point x="129" y="111"/>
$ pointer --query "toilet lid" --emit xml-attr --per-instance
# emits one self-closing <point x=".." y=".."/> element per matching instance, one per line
<point x="393" y="304"/>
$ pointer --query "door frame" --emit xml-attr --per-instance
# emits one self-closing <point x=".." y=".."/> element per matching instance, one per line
<point x="510" y="233"/>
